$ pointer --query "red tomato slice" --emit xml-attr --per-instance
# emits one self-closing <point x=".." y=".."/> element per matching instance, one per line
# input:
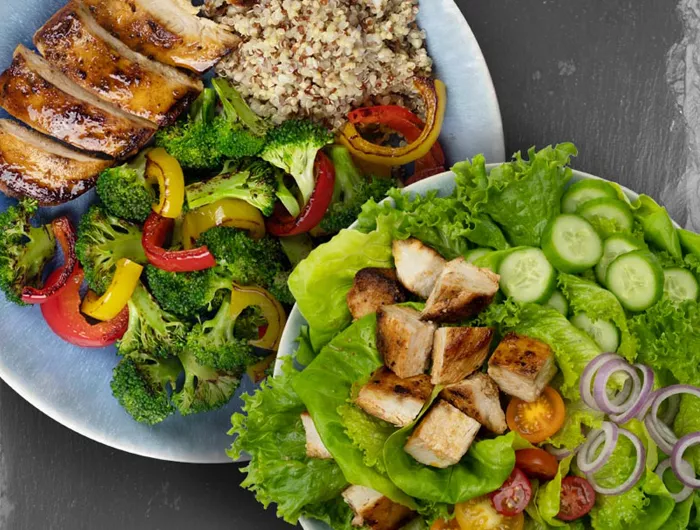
<point x="537" y="463"/>
<point x="514" y="495"/>
<point x="577" y="498"/>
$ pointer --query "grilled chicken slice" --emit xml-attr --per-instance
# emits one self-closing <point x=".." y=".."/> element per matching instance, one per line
<point x="442" y="437"/>
<point x="314" y="444"/>
<point x="373" y="288"/>
<point x="165" y="30"/>
<point x="478" y="397"/>
<point x="461" y="291"/>
<point x="392" y="399"/>
<point x="32" y="165"/>
<point x="522" y="366"/>
<point x="404" y="340"/>
<point x="457" y="352"/>
<point x="41" y="96"/>
<point x="374" y="510"/>
<point x="87" y="53"/>
<point x="417" y="265"/>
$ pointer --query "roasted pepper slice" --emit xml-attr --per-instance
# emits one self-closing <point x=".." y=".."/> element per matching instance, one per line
<point x="109" y="305"/>
<point x="226" y="212"/>
<point x="248" y="296"/>
<point x="155" y="231"/>
<point x="166" y="171"/>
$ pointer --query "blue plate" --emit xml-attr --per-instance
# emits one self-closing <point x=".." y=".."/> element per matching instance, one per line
<point x="71" y="385"/>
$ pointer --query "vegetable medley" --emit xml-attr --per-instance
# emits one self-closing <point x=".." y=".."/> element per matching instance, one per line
<point x="518" y="354"/>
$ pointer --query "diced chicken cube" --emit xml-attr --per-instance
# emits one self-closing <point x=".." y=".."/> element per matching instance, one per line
<point x="478" y="397"/>
<point x="392" y="399"/>
<point x="442" y="437"/>
<point x="374" y="510"/>
<point x="457" y="352"/>
<point x="314" y="444"/>
<point x="417" y="265"/>
<point x="461" y="291"/>
<point x="522" y="366"/>
<point x="404" y="340"/>
<point x="372" y="289"/>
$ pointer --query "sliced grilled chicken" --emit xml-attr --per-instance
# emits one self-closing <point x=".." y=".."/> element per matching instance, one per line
<point x="373" y="288"/>
<point x="442" y="437"/>
<point x="41" y="96"/>
<point x="417" y="265"/>
<point x="314" y="444"/>
<point x="374" y="510"/>
<point x="87" y="53"/>
<point x="392" y="399"/>
<point x="461" y="291"/>
<point x="477" y="396"/>
<point x="165" y="30"/>
<point x="404" y="340"/>
<point x="32" y="165"/>
<point x="522" y="366"/>
<point x="457" y="352"/>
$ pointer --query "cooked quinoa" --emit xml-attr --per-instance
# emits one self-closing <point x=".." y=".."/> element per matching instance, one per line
<point x="322" y="58"/>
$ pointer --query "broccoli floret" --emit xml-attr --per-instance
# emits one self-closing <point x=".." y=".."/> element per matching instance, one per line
<point x="24" y="250"/>
<point x="236" y="109"/>
<point x="292" y="147"/>
<point x="143" y="384"/>
<point x="351" y="191"/>
<point x="253" y="181"/>
<point x="280" y="289"/>
<point x="103" y="240"/>
<point x="205" y="388"/>
<point x="125" y="192"/>
<point x="151" y="330"/>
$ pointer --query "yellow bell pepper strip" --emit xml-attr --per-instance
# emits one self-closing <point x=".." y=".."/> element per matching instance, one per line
<point x="110" y="304"/>
<point x="258" y="371"/>
<point x="166" y="171"/>
<point x="226" y="212"/>
<point x="248" y="296"/>
<point x="434" y="95"/>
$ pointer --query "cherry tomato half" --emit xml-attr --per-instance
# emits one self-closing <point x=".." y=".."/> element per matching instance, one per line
<point x="538" y="420"/>
<point x="537" y="463"/>
<point x="577" y="498"/>
<point x="479" y="514"/>
<point x="514" y="495"/>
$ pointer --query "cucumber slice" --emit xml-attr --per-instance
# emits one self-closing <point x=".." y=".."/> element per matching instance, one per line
<point x="613" y="247"/>
<point x="637" y="279"/>
<point x="476" y="253"/>
<point x="584" y="191"/>
<point x="559" y="302"/>
<point x="527" y="276"/>
<point x="571" y="244"/>
<point x="680" y="284"/>
<point x="608" y="216"/>
<point x="604" y="333"/>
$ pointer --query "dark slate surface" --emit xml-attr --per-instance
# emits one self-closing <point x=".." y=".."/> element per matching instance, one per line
<point x="591" y="72"/>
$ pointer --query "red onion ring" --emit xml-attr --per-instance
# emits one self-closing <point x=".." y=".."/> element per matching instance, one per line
<point x="639" y="403"/>
<point x="624" y="394"/>
<point x="588" y="375"/>
<point x="560" y="453"/>
<point x="658" y="430"/>
<point x="686" y="491"/>
<point x="664" y="440"/>
<point x="600" y="385"/>
<point x="687" y="477"/>
<point x="606" y="436"/>
<point x="674" y="403"/>
<point x="634" y="476"/>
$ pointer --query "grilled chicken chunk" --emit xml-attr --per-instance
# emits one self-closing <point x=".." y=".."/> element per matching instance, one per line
<point x="373" y="288"/>
<point x="314" y="444"/>
<point x="457" y="352"/>
<point x="168" y="31"/>
<point x="417" y="265"/>
<point x="442" y="437"/>
<point x="477" y="396"/>
<point x="374" y="510"/>
<point x="32" y="165"/>
<point x="41" y="96"/>
<point x="461" y="291"/>
<point x="522" y="366"/>
<point x="392" y="399"/>
<point x="87" y="53"/>
<point x="404" y="340"/>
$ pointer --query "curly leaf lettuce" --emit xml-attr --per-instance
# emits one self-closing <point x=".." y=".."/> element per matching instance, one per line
<point x="688" y="420"/>
<point x="578" y="415"/>
<point x="366" y="432"/>
<point x="657" y="225"/>
<point x="522" y="196"/>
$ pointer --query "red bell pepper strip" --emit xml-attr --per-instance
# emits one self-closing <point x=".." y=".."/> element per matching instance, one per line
<point x="65" y="235"/>
<point x="283" y="224"/>
<point x="155" y="231"/>
<point x="62" y="314"/>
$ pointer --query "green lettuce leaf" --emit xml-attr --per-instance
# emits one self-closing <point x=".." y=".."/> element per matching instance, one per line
<point x="688" y="420"/>
<point x="657" y="225"/>
<point x="321" y="282"/>
<point x="578" y="415"/>
<point x="522" y="196"/>
<point x="690" y="242"/>
<point x="305" y="352"/>
<point x="598" y="304"/>
<point x="548" y="498"/>
<point x="366" y="432"/>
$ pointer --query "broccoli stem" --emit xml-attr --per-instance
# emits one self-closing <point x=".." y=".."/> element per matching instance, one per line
<point x="142" y="305"/>
<point x="222" y="324"/>
<point x="348" y="177"/>
<point x="224" y="186"/>
<point x="236" y="108"/>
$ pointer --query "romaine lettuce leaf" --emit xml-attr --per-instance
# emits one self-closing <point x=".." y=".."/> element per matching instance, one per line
<point x="688" y="420"/>
<point x="522" y="196"/>
<point x="657" y="225"/>
<point x="690" y="242"/>
<point x="548" y="499"/>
